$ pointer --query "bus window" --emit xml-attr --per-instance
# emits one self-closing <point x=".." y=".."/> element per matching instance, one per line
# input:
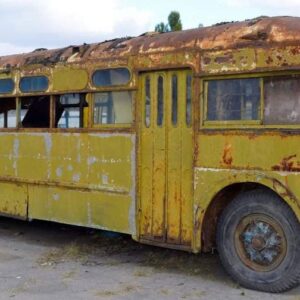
<point x="233" y="99"/>
<point x="160" y="100"/>
<point x="147" y="102"/>
<point x="8" y="117"/>
<point x="174" y="100"/>
<point x="34" y="84"/>
<point x="69" y="110"/>
<point x="188" y="100"/>
<point x="110" y="77"/>
<point x="35" y="112"/>
<point x="6" y="86"/>
<point x="113" y="108"/>
<point x="282" y="100"/>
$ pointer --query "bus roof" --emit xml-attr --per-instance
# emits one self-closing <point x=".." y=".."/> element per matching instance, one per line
<point x="256" y="33"/>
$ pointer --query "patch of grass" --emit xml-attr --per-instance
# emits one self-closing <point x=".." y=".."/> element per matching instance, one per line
<point x="127" y="289"/>
<point x="73" y="251"/>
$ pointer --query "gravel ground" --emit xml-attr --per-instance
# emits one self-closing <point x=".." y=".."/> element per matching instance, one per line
<point x="41" y="260"/>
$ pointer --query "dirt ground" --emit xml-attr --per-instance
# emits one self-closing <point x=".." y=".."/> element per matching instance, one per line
<point x="41" y="260"/>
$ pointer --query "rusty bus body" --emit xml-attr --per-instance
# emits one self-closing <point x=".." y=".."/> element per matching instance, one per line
<point x="163" y="182"/>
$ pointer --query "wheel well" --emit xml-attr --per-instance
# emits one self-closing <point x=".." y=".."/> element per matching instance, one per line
<point x="216" y="207"/>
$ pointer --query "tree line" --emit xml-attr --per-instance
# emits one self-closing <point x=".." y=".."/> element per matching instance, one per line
<point x="174" y="23"/>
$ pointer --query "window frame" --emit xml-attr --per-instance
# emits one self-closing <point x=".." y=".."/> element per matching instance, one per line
<point x="35" y="91"/>
<point x="241" y="124"/>
<point x="15" y="128"/>
<point x="231" y="123"/>
<point x="83" y="122"/>
<point x="12" y="90"/>
<point x="109" y="87"/>
<point x="119" y="126"/>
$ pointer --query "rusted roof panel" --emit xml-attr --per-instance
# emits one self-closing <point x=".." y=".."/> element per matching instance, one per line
<point x="259" y="32"/>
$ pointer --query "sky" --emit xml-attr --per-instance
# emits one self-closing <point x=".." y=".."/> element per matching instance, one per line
<point x="32" y="24"/>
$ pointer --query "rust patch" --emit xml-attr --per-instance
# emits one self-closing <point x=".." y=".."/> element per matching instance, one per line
<point x="206" y="60"/>
<point x="283" y="191"/>
<point x="227" y="155"/>
<point x="224" y="59"/>
<point x="288" y="164"/>
<point x="259" y="32"/>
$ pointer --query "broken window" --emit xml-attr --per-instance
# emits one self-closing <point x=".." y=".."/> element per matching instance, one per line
<point x="109" y="77"/>
<point x="34" y="84"/>
<point x="233" y="99"/>
<point x="282" y="100"/>
<point x="6" y="86"/>
<point x="69" y="111"/>
<point x="35" y="112"/>
<point x="113" y="108"/>
<point x="8" y="116"/>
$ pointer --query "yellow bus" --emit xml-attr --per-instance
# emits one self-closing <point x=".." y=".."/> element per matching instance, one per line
<point x="187" y="140"/>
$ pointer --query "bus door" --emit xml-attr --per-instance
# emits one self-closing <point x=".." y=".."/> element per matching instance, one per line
<point x="166" y="157"/>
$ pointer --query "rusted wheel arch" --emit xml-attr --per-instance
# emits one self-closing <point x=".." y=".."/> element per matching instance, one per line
<point x="217" y="205"/>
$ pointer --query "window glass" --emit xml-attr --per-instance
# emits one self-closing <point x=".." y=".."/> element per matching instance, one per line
<point x="6" y="86"/>
<point x="189" y="100"/>
<point x="233" y="99"/>
<point x="109" y="77"/>
<point x="8" y="117"/>
<point x="35" y="112"/>
<point x="147" y="102"/>
<point x="113" y="108"/>
<point x="282" y="100"/>
<point x="70" y="118"/>
<point x="174" y="100"/>
<point x="34" y="84"/>
<point x="160" y="100"/>
<point x="69" y="110"/>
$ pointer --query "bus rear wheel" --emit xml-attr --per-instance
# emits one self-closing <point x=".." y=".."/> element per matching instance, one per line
<point x="258" y="242"/>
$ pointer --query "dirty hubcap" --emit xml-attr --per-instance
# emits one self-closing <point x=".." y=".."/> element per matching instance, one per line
<point x="260" y="242"/>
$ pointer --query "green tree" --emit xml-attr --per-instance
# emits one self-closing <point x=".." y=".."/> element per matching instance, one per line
<point x="162" y="27"/>
<point x="174" y="23"/>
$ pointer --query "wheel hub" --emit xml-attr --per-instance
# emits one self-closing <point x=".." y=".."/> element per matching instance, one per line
<point x="260" y="242"/>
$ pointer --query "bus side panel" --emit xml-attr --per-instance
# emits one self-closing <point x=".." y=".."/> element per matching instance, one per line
<point x="85" y="179"/>
<point x="91" y="209"/>
<point x="13" y="200"/>
<point x="239" y="157"/>
<point x="99" y="168"/>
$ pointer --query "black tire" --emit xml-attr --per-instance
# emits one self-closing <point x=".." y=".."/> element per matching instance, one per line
<point x="258" y="241"/>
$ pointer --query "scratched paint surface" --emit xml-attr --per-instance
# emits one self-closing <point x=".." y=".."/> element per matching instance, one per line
<point x="82" y="179"/>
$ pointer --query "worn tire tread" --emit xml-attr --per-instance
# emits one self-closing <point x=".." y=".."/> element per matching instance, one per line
<point x="291" y="280"/>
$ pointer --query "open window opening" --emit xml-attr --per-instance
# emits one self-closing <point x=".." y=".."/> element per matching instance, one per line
<point x="8" y="113"/>
<point x="35" y="112"/>
<point x="69" y="110"/>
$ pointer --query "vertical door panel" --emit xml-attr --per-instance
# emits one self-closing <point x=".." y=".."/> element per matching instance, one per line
<point x="166" y="160"/>
<point x="146" y="156"/>
<point x="159" y="161"/>
<point x="173" y="206"/>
